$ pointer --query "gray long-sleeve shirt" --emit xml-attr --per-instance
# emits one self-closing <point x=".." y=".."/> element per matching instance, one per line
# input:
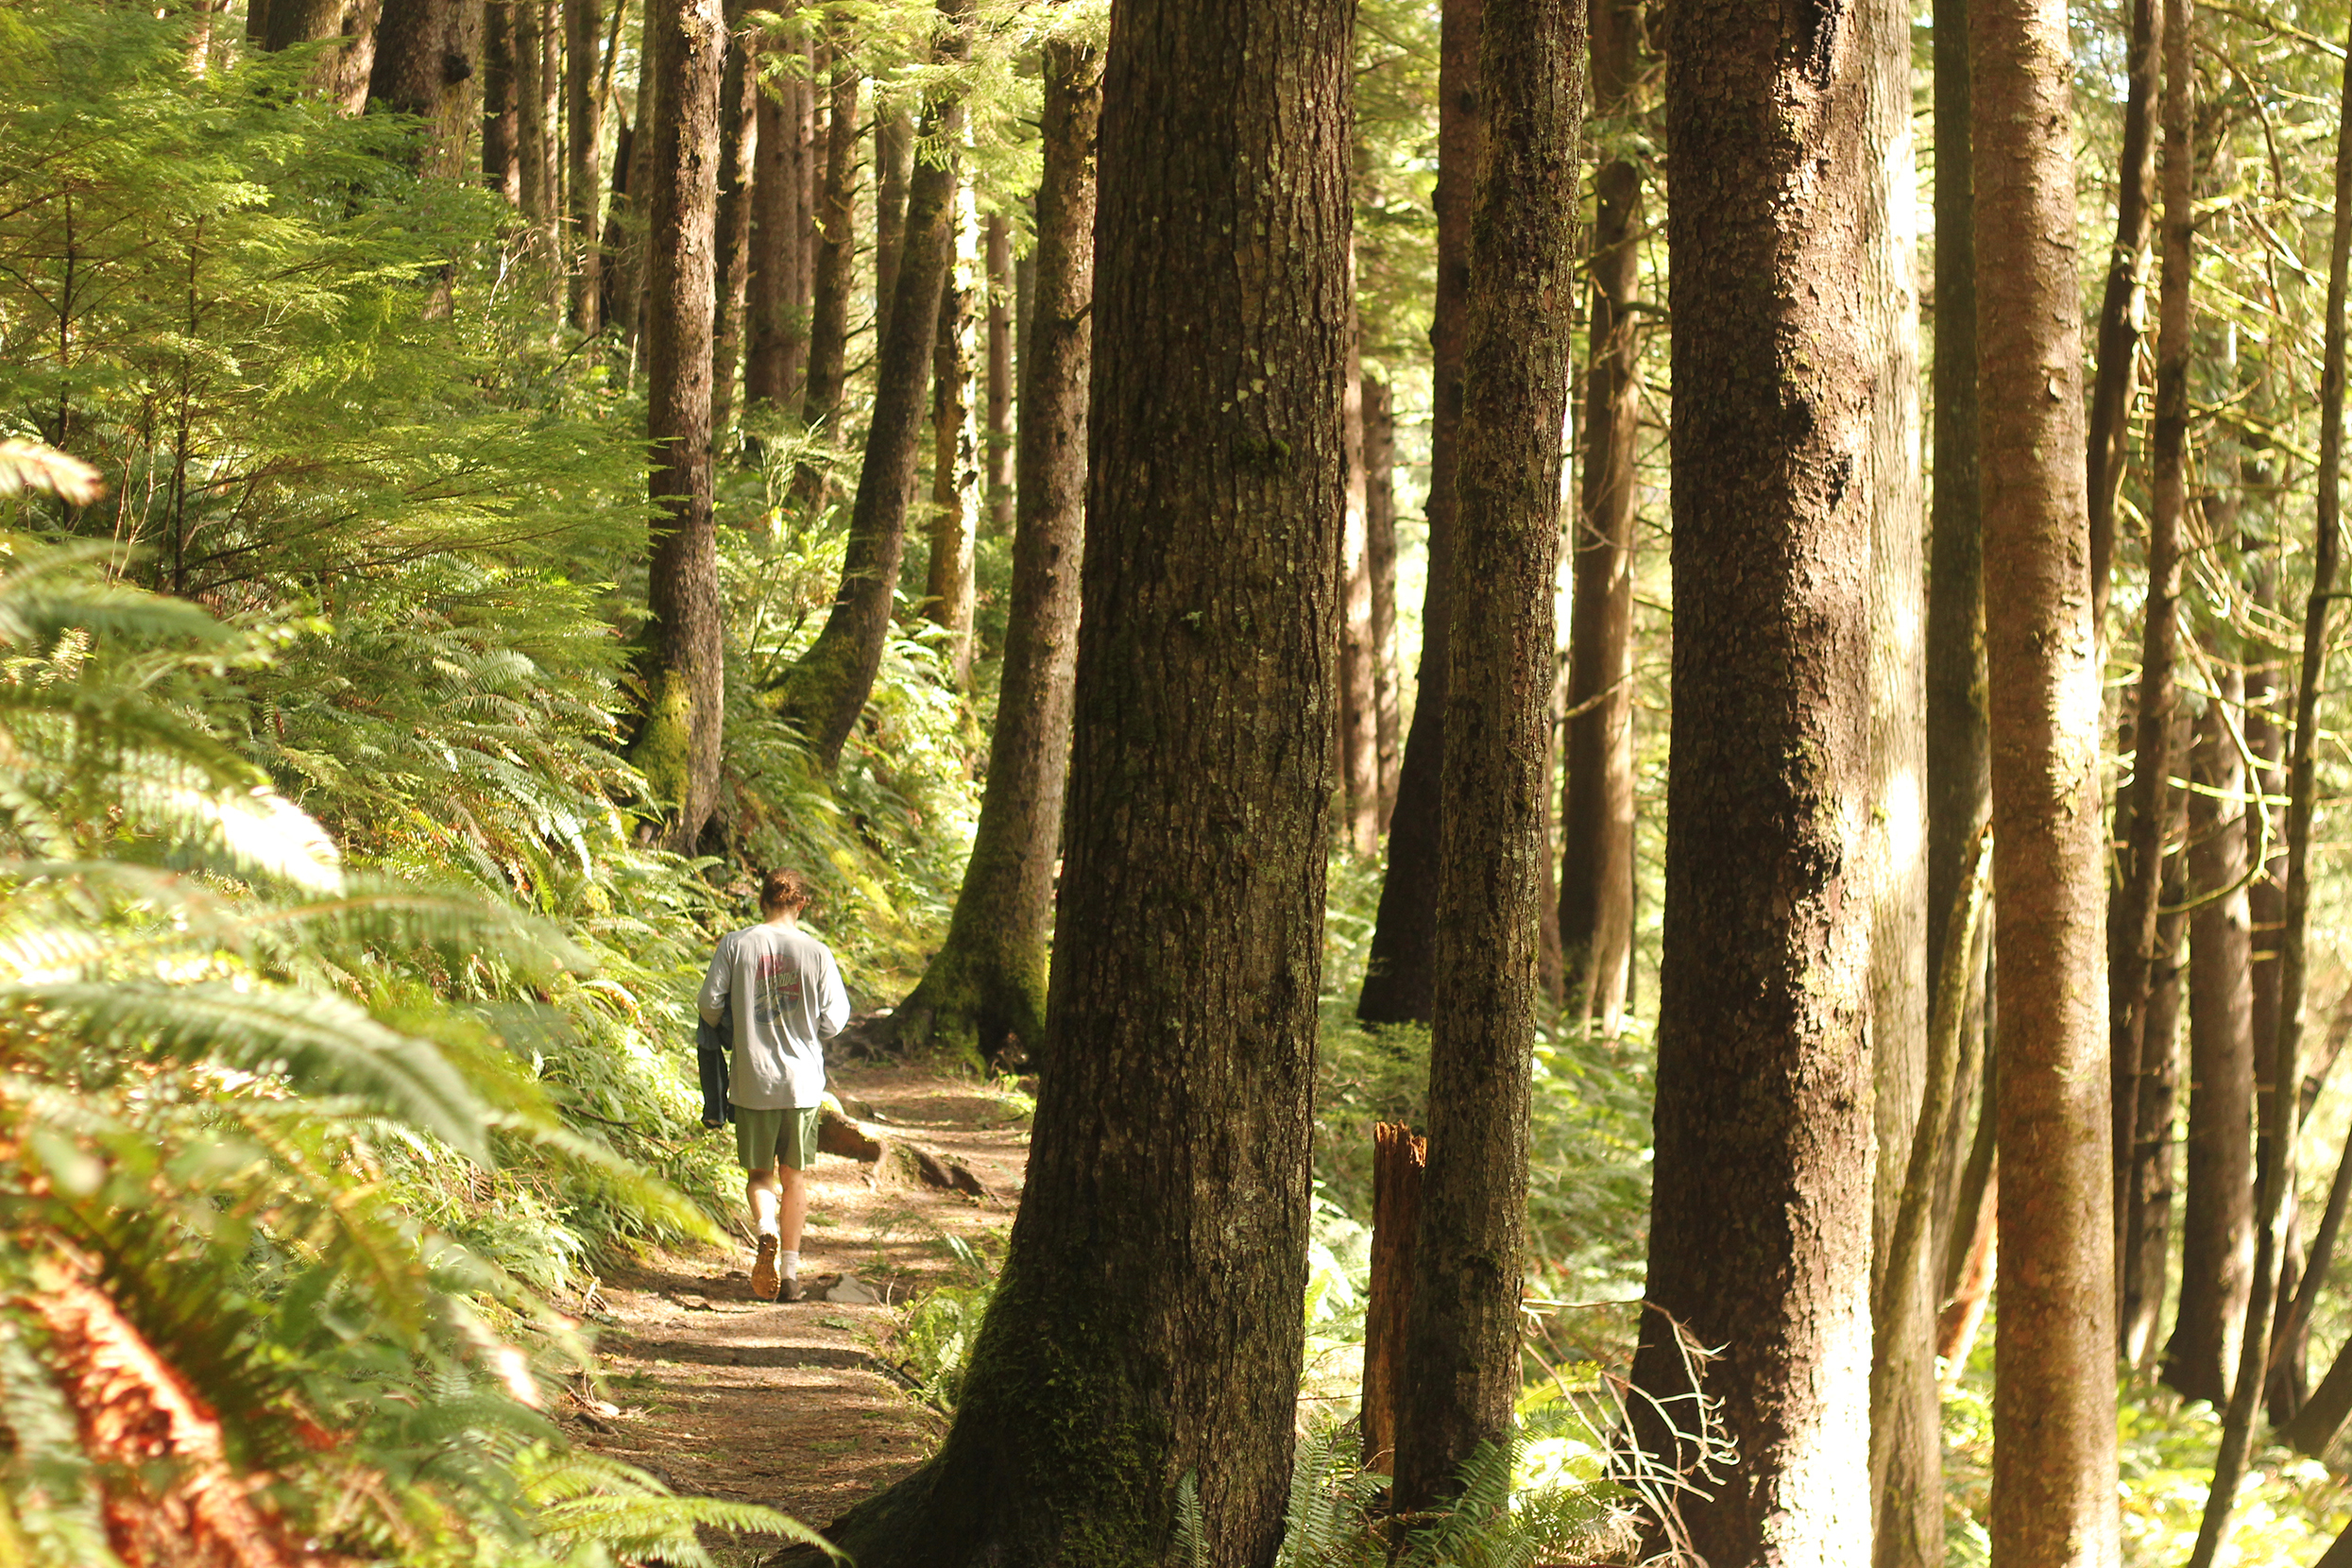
<point x="789" y="1001"/>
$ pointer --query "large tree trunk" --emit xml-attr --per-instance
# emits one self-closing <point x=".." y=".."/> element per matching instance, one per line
<point x="1462" y="1335"/>
<point x="948" y="591"/>
<point x="1359" y="714"/>
<point x="738" y="157"/>
<point x="2132" y="932"/>
<point x="837" y="248"/>
<point x="1145" y="1339"/>
<point x="1399" y="977"/>
<point x="584" y="135"/>
<point x="2054" y="1461"/>
<point x="682" y="661"/>
<point x="1380" y="561"/>
<point x="775" y="336"/>
<point x="1596" y="810"/>
<point x="2217" y="1223"/>
<point x="426" y="54"/>
<point x="986" y="989"/>
<point x="1761" y="1208"/>
<point x="2120" y="305"/>
<point x="826" y="691"/>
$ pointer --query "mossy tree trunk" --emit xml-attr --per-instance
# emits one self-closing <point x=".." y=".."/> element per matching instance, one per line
<point x="584" y="135"/>
<point x="2053" y="1404"/>
<point x="837" y="247"/>
<point x="1400" y="970"/>
<point x="949" y="588"/>
<point x="986" y="989"/>
<point x="738" y="157"/>
<point x="426" y="54"/>
<point x="998" y="445"/>
<point x="1462" y="1373"/>
<point x="681" y="662"/>
<point x="1761" y="1210"/>
<point x="775" y="336"/>
<point x="823" y="693"/>
<point x="894" y="166"/>
<point x="1145" y="1340"/>
<point x="1380" y="563"/>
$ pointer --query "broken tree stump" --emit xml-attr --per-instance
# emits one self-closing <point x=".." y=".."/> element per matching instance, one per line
<point x="1398" y="1159"/>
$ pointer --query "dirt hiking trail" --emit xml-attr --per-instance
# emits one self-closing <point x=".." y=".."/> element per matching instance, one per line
<point x="796" y="1406"/>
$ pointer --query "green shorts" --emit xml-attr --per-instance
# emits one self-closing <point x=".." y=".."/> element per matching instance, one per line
<point x="762" y="1137"/>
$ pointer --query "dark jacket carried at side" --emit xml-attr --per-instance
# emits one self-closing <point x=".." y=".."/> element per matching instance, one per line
<point x="711" y="1044"/>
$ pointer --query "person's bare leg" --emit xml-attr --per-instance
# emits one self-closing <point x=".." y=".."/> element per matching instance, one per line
<point x="759" y="1191"/>
<point x="793" y="1203"/>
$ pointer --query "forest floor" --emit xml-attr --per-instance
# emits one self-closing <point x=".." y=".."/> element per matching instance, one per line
<point x="800" y="1407"/>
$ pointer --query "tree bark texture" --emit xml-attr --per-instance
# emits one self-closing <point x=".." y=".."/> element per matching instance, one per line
<point x="2217" y="1223"/>
<point x="894" y="165"/>
<point x="1145" y="1339"/>
<point x="1957" y="783"/>
<point x="1380" y="560"/>
<point x="1597" y="806"/>
<point x="426" y="53"/>
<point x="739" y="154"/>
<point x="682" y="661"/>
<point x="532" y="130"/>
<point x="2132" y="932"/>
<point x="987" y="987"/>
<point x="1761" y="1202"/>
<point x="776" y="335"/>
<point x="948" y="591"/>
<point x="837" y="248"/>
<point x="1359" y="713"/>
<point x="583" y="136"/>
<point x="997" y="444"/>
<point x="826" y="691"/>
<point x="2120" y="304"/>
<point x="2054" y="1458"/>
<point x="1462" y="1335"/>
<point x="626" y="230"/>
<point x="1400" y="970"/>
<point x="1399" y="1159"/>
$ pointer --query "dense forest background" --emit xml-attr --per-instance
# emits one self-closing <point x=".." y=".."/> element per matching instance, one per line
<point x="385" y="738"/>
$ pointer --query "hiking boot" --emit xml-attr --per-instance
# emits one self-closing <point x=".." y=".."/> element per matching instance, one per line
<point x="793" y="1291"/>
<point x="763" y="1277"/>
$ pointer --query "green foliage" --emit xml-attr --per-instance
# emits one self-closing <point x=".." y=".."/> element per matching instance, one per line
<point x="932" y="1344"/>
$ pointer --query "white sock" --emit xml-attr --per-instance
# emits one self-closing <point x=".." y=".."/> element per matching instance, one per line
<point x="790" y="1264"/>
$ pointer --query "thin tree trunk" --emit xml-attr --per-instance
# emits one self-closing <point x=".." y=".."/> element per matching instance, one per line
<point x="837" y="249"/>
<point x="552" y="114"/>
<point x="1760" y="1209"/>
<point x="893" y="159"/>
<point x="2291" y="1353"/>
<point x="739" y="156"/>
<point x="1360" y="715"/>
<point x="584" y="133"/>
<point x="1380" y="558"/>
<point x="986" y="989"/>
<point x="2132" y="931"/>
<point x="531" y="128"/>
<point x="1400" y="970"/>
<point x="626" y="232"/>
<point x="2054" y="1457"/>
<point x="502" y="113"/>
<point x="997" y="439"/>
<point x="1964" y="1314"/>
<point x="678" y="743"/>
<point x="826" y="691"/>
<point x="2120" y="305"/>
<point x="955" y="481"/>
<point x="775" y="336"/>
<point x="1398" y="1161"/>
<point x="2149" y="1186"/>
<point x="1461" y="1336"/>
<point x="1596" y="809"/>
<point x="1958" y="782"/>
<point x="2217" y="1223"/>
<point x="2275" y="1152"/>
<point x="1144" y="1342"/>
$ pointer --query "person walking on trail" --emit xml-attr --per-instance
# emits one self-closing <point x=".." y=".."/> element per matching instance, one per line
<point x="785" y="992"/>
